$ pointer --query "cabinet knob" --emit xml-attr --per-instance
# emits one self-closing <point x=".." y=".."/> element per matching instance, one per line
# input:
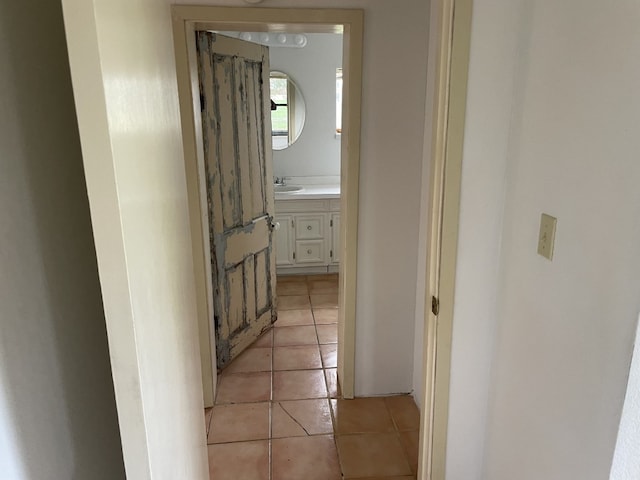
<point x="308" y="227"/>
<point x="309" y="252"/>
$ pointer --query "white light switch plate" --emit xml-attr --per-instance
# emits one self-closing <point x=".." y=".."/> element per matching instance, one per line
<point x="547" y="235"/>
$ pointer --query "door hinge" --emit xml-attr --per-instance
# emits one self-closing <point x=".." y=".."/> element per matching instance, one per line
<point x="294" y="255"/>
<point x="331" y="253"/>
<point x="292" y="223"/>
<point x="331" y="222"/>
<point x="435" y="305"/>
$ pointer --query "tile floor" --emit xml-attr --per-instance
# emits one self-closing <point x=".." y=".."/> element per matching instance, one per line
<point x="278" y="414"/>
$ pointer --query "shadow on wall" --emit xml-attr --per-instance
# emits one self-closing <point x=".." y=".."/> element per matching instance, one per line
<point x="57" y="407"/>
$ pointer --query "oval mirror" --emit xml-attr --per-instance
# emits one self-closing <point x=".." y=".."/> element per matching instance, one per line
<point x="288" y="110"/>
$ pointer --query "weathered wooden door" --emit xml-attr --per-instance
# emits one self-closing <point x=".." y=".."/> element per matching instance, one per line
<point x="236" y="124"/>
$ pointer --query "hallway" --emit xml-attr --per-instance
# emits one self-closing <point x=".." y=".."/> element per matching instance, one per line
<point x="278" y="413"/>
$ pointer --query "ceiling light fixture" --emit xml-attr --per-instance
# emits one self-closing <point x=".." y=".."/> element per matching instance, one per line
<point x="292" y="40"/>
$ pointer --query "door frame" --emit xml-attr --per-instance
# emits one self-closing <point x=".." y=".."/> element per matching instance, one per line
<point x="350" y="22"/>
<point x="453" y="34"/>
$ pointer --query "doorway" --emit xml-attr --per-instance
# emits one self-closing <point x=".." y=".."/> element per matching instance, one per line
<point x="188" y="20"/>
<point x="141" y="434"/>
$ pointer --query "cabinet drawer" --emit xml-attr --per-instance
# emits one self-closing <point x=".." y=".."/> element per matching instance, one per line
<point x="310" y="251"/>
<point x="302" y="206"/>
<point x="309" y="226"/>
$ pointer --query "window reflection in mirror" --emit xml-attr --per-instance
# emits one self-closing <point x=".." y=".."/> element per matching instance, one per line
<point x="287" y="110"/>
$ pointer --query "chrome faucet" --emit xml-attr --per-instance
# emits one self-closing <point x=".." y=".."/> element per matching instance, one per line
<point x="280" y="180"/>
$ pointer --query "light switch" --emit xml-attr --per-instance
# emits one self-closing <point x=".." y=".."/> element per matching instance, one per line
<point x="547" y="235"/>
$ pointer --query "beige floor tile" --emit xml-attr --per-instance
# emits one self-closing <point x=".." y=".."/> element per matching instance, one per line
<point x="327" y="333"/>
<point x="323" y="286"/>
<point x="293" y="302"/>
<point x="239" y="422"/>
<point x="265" y="340"/>
<point x="404" y="412"/>
<point x="298" y="385"/>
<point x="308" y="458"/>
<point x="283" y="425"/>
<point x="291" y="278"/>
<point x="372" y="454"/>
<point x="325" y="300"/>
<point x="312" y="417"/>
<point x="333" y="387"/>
<point x="361" y="415"/>
<point x="323" y="277"/>
<point x="207" y="418"/>
<point x="410" y="441"/>
<point x="301" y="357"/>
<point x="300" y="335"/>
<point x="292" y="288"/>
<point x="290" y="318"/>
<point x="329" y="355"/>
<point x="244" y="388"/>
<point x="240" y="460"/>
<point x="257" y="359"/>
<point x="325" y="316"/>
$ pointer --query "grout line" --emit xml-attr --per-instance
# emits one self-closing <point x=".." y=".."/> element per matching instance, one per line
<point x="326" y="384"/>
<point x="396" y="430"/>
<point x="270" y="445"/>
<point x="404" y="452"/>
<point x="393" y="420"/>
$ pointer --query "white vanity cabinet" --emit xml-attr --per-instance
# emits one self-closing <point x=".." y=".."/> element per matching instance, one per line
<point x="307" y="238"/>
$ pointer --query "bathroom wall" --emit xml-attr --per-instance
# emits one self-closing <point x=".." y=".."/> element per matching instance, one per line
<point x="313" y="69"/>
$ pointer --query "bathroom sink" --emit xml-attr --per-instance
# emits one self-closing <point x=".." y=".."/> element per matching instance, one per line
<point x="287" y="188"/>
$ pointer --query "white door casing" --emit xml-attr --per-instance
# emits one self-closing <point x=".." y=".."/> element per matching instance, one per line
<point x="187" y="20"/>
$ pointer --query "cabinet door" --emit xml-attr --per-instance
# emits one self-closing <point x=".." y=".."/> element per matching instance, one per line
<point x="335" y="238"/>
<point x="284" y="240"/>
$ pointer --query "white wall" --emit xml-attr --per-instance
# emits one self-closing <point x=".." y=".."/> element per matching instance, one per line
<point x="124" y="77"/>
<point x="57" y="406"/>
<point x="313" y="69"/>
<point x="626" y="461"/>
<point x="566" y="331"/>
<point x="563" y="329"/>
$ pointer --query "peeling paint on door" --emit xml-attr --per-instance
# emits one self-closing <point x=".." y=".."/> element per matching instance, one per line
<point x="234" y="87"/>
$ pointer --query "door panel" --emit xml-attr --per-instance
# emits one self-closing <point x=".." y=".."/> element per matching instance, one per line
<point x="234" y="86"/>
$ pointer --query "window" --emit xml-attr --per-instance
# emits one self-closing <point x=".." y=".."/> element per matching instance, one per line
<point x="338" y="101"/>
<point x="279" y="110"/>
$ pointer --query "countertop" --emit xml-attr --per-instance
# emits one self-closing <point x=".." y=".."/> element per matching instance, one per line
<point x="311" y="192"/>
